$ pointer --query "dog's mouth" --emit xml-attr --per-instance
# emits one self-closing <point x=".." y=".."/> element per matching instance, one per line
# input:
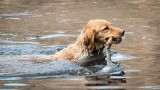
<point x="114" y="40"/>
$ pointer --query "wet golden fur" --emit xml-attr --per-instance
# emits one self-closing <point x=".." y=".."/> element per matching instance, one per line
<point x="93" y="37"/>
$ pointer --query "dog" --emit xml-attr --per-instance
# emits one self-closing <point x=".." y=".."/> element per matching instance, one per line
<point x="90" y="42"/>
<point x="86" y="51"/>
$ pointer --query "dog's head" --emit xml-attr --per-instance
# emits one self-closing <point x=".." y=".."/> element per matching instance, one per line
<point x="96" y="33"/>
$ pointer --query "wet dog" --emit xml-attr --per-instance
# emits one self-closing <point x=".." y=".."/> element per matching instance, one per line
<point x="90" y="43"/>
<point x="87" y="49"/>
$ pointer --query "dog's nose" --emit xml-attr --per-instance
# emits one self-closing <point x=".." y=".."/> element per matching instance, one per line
<point x="122" y="32"/>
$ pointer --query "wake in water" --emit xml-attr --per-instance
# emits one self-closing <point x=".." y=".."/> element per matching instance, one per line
<point x="20" y="64"/>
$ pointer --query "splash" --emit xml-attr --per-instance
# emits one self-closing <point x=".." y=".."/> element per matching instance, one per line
<point x="110" y="66"/>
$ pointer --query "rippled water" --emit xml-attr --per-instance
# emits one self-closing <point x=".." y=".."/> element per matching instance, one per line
<point x="43" y="27"/>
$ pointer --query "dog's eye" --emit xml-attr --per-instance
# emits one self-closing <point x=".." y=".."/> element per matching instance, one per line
<point x="106" y="28"/>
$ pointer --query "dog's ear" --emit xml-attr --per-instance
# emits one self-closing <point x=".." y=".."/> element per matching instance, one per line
<point x="87" y="36"/>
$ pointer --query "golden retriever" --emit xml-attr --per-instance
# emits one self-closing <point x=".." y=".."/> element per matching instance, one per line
<point x="92" y="39"/>
<point x="88" y="48"/>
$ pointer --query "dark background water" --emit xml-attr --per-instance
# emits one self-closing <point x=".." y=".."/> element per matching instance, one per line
<point x="41" y="27"/>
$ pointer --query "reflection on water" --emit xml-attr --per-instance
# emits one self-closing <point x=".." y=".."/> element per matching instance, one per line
<point x="42" y="27"/>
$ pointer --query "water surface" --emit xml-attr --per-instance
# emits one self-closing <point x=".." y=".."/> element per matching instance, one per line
<point x="42" y="27"/>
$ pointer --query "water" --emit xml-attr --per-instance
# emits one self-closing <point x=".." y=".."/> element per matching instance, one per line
<point x="38" y="27"/>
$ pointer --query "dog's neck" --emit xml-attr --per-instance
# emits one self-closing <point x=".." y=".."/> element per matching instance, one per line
<point x="84" y="47"/>
<point x="90" y="53"/>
